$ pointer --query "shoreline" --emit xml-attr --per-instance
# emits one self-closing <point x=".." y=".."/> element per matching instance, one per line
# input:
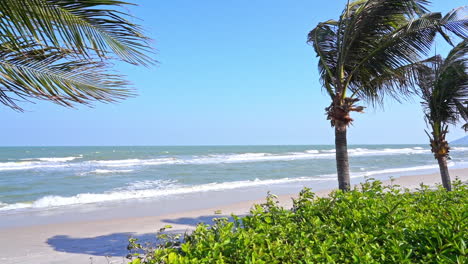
<point x="141" y="202"/>
<point x="76" y="240"/>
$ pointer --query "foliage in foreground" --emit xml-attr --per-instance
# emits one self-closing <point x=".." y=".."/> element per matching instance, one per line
<point x="374" y="224"/>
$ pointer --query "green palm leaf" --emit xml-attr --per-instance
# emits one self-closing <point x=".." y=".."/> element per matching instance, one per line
<point x="59" y="50"/>
<point x="84" y="26"/>
<point x="444" y="87"/>
<point x="53" y="75"/>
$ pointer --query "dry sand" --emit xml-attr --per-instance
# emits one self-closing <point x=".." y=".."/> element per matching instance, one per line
<point x="91" y="241"/>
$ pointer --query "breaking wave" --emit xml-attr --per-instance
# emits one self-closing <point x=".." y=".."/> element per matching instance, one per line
<point x="102" y="166"/>
<point x="161" y="188"/>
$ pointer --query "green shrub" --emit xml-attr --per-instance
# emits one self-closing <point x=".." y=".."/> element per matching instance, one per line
<point x="372" y="224"/>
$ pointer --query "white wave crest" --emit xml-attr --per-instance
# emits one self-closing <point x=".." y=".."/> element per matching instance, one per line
<point x="102" y="166"/>
<point x="128" y="193"/>
<point x="399" y="170"/>
<point x="36" y="163"/>
<point x="64" y="159"/>
<point x="255" y="157"/>
<point x="135" y="162"/>
<point x="26" y="165"/>
<point x="161" y="188"/>
<point x="98" y="171"/>
<point x="459" y="149"/>
<point x="15" y="206"/>
<point x="149" y="184"/>
<point x="54" y="159"/>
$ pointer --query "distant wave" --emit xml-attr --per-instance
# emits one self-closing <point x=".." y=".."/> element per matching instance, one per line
<point x="102" y="166"/>
<point x="135" y="162"/>
<point x="37" y="163"/>
<point x="64" y="159"/>
<point x="398" y="170"/>
<point x="100" y="171"/>
<point x="60" y="159"/>
<point x="259" y="157"/>
<point x="27" y="165"/>
<point x="161" y="188"/>
<point x="459" y="148"/>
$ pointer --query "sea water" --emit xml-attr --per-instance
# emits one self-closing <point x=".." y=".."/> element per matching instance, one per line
<point x="48" y="177"/>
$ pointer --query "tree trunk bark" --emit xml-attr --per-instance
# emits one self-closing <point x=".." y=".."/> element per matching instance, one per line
<point x="342" y="162"/>
<point x="444" y="173"/>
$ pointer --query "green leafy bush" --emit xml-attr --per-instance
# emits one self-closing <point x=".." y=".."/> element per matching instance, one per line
<point x="371" y="224"/>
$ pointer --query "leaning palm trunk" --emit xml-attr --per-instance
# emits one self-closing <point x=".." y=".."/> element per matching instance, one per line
<point x="342" y="163"/>
<point x="440" y="148"/>
<point x="338" y="114"/>
<point x="444" y="173"/>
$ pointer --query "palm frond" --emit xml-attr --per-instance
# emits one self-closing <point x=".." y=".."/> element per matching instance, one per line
<point x="389" y="55"/>
<point x="51" y="74"/>
<point x="324" y="39"/>
<point x="444" y="86"/>
<point x="370" y="50"/>
<point x="455" y="22"/>
<point x="59" y="50"/>
<point x="400" y="83"/>
<point x="86" y="27"/>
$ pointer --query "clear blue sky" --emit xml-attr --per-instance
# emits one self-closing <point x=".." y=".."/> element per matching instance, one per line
<point x="231" y="72"/>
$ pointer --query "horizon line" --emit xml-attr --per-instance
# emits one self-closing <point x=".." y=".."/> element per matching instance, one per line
<point x="207" y="145"/>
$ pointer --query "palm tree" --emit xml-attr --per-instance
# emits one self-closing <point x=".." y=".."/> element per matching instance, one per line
<point x="61" y="50"/>
<point x="444" y="90"/>
<point x="368" y="53"/>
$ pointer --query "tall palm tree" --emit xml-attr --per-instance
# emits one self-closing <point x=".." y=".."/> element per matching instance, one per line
<point x="444" y="90"/>
<point x="61" y="50"/>
<point x="368" y="53"/>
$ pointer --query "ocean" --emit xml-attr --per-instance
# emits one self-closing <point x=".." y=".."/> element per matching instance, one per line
<point x="40" y="178"/>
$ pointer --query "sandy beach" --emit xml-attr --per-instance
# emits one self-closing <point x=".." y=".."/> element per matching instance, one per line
<point x="100" y="234"/>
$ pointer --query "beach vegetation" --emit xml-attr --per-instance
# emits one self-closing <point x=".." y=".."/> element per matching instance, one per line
<point x="444" y="91"/>
<point x="369" y="224"/>
<point x="62" y="51"/>
<point x="369" y="53"/>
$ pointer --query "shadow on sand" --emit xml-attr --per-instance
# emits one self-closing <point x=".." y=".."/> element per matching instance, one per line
<point x="194" y="221"/>
<point x="115" y="245"/>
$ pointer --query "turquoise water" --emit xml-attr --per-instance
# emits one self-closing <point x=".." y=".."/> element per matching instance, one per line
<point x="43" y="177"/>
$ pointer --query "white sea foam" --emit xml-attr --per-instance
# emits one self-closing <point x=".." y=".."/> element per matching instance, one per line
<point x="161" y="188"/>
<point x="135" y="162"/>
<point x="37" y="163"/>
<point x="26" y="165"/>
<point x="399" y="170"/>
<point x="308" y="154"/>
<point x="149" y="184"/>
<point x="54" y="159"/>
<point x="15" y="206"/>
<point x="102" y="166"/>
<point x="459" y="149"/>
<point x="99" y="171"/>
<point x="64" y="159"/>
<point x="135" y="193"/>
